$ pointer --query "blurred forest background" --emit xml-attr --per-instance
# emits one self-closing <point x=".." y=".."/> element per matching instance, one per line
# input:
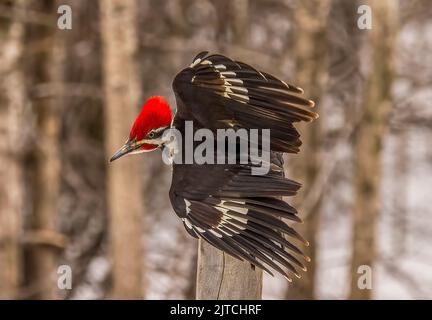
<point x="68" y="99"/>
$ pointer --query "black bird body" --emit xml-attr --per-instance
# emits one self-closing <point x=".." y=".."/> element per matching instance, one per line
<point x="225" y="204"/>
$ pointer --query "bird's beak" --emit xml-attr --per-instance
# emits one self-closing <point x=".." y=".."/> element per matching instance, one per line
<point x="128" y="147"/>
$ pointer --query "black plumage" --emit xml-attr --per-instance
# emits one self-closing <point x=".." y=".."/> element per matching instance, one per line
<point x="225" y="204"/>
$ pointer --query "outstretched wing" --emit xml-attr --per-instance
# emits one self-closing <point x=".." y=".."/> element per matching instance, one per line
<point x="218" y="92"/>
<point x="226" y="205"/>
<point x="238" y="213"/>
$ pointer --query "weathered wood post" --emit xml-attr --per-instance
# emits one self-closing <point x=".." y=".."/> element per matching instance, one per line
<point x="221" y="276"/>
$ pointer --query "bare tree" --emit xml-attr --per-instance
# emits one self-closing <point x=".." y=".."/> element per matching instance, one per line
<point x="369" y="140"/>
<point x="124" y="189"/>
<point x="45" y="65"/>
<point x="82" y="210"/>
<point x="11" y="147"/>
<point x="310" y="50"/>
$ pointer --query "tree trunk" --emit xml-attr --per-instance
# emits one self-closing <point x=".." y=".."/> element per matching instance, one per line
<point x="219" y="275"/>
<point x="45" y="65"/>
<point x="12" y="95"/>
<point x="82" y="148"/>
<point x="369" y="139"/>
<point x="119" y="35"/>
<point x="310" y="75"/>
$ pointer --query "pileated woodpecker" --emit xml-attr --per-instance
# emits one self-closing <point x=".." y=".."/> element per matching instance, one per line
<point x="225" y="204"/>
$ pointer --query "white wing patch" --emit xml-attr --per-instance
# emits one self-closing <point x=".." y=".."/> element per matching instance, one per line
<point x="195" y="63"/>
<point x="187" y="223"/>
<point x="223" y="207"/>
<point x="188" y="204"/>
<point x="232" y="88"/>
<point x="227" y="219"/>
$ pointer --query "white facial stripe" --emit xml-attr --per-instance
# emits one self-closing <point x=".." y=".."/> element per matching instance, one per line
<point x="160" y="129"/>
<point x="157" y="141"/>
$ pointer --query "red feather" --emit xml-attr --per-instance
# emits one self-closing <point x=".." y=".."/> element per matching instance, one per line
<point x="155" y="113"/>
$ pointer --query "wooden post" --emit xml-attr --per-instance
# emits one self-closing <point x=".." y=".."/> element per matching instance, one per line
<point x="221" y="276"/>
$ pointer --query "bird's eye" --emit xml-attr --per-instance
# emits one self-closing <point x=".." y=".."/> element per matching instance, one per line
<point x="151" y="135"/>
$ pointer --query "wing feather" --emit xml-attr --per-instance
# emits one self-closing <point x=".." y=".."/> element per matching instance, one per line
<point x="237" y="212"/>
<point x="218" y="92"/>
<point x="222" y="212"/>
